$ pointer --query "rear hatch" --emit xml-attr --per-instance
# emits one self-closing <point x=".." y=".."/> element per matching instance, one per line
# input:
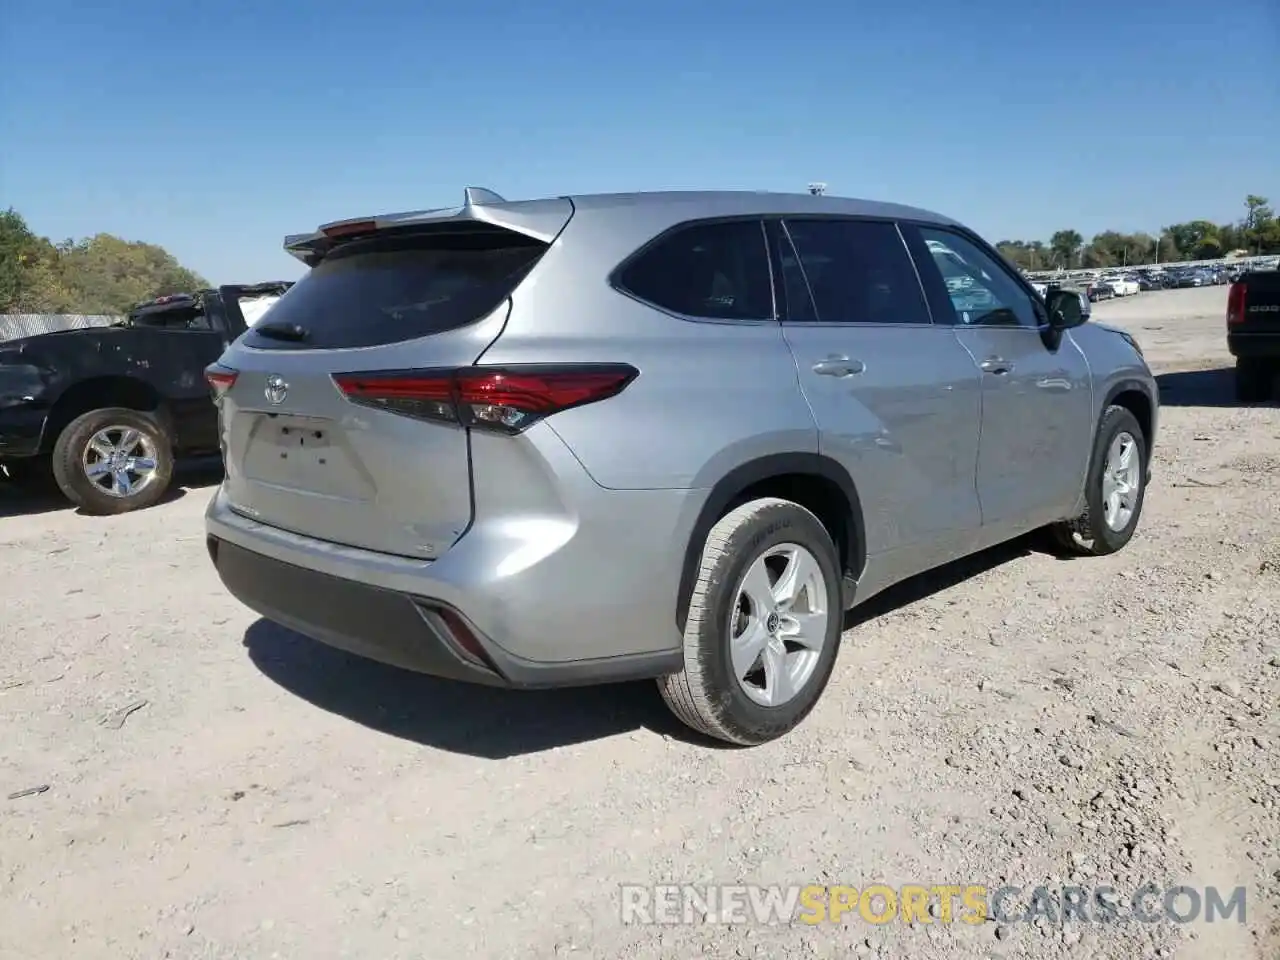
<point x="1253" y="304"/>
<point x="428" y="292"/>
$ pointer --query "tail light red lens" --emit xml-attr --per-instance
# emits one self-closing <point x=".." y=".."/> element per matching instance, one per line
<point x="220" y="380"/>
<point x="351" y="229"/>
<point x="1235" y="303"/>
<point x="505" y="399"/>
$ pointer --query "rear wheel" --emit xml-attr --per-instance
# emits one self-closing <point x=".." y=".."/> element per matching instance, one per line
<point x="1115" y="489"/>
<point x="763" y="627"/>
<point x="1253" y="381"/>
<point x="113" y="460"/>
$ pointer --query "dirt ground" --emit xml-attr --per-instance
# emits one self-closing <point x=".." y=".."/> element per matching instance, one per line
<point x="218" y="787"/>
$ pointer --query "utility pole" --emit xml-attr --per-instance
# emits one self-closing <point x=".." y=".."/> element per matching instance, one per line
<point x="817" y="189"/>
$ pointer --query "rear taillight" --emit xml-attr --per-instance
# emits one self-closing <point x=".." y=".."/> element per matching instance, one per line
<point x="1235" y="303"/>
<point x="220" y="379"/>
<point x="506" y="399"/>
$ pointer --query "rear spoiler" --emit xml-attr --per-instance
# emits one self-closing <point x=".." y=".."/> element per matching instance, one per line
<point x="540" y="219"/>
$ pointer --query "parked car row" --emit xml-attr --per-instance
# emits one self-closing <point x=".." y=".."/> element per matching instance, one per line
<point x="1105" y="286"/>
<point x="1232" y="267"/>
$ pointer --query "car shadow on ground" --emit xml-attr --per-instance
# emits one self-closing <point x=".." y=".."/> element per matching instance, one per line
<point x="925" y="585"/>
<point x="18" y="500"/>
<point x="1203" y="388"/>
<point x="458" y="717"/>
<point x="493" y="724"/>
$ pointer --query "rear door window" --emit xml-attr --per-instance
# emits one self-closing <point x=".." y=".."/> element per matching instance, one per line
<point x="395" y="288"/>
<point x="717" y="271"/>
<point x="857" y="271"/>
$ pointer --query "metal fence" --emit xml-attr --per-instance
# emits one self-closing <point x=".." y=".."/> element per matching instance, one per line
<point x="14" y="326"/>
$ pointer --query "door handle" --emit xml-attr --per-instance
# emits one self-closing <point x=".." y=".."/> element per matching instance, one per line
<point x="996" y="365"/>
<point x="838" y="367"/>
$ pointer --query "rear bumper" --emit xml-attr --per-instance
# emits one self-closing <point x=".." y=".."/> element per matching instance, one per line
<point x="556" y="583"/>
<point x="1251" y="346"/>
<point x="404" y="631"/>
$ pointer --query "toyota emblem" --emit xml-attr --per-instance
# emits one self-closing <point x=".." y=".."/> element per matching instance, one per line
<point x="276" y="389"/>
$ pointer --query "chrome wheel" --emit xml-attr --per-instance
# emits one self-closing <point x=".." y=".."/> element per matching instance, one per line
<point x="120" y="461"/>
<point x="779" y="624"/>
<point x="1121" y="480"/>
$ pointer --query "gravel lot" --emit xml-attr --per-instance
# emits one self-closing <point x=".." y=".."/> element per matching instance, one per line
<point x="218" y="787"/>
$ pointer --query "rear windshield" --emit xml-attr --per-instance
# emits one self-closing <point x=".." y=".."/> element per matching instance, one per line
<point x="391" y="289"/>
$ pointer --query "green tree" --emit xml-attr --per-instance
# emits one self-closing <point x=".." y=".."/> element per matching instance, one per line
<point x="17" y="246"/>
<point x="1112" y="248"/>
<point x="1065" y="246"/>
<point x="1142" y="247"/>
<point x="1231" y="236"/>
<point x="1166" y="249"/>
<point x="1021" y="254"/>
<point x="1260" y="230"/>
<point x="109" y="275"/>
<point x="101" y="274"/>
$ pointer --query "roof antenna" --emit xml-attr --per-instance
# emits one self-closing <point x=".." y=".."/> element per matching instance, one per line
<point x="479" y="196"/>
<point x="817" y="189"/>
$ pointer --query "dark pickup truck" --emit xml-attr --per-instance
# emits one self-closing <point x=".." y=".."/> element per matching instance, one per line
<point x="105" y="411"/>
<point x="1253" y="333"/>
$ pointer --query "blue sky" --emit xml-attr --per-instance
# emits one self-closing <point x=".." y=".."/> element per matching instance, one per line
<point x="214" y="128"/>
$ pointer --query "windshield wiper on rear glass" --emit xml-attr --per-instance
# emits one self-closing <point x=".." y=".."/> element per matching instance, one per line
<point x="282" y="331"/>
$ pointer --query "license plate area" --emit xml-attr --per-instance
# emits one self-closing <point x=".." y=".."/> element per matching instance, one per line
<point x="306" y="455"/>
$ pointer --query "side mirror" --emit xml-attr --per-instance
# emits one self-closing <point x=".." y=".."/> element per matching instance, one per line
<point x="1067" y="308"/>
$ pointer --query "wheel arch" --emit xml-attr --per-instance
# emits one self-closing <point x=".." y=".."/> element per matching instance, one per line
<point x="95" y="393"/>
<point x="812" y="480"/>
<point x="1134" y="396"/>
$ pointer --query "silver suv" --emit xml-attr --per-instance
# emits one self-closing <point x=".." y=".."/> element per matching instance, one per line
<point x="670" y="435"/>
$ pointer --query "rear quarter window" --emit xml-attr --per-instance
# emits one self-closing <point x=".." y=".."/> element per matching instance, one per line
<point x="396" y="288"/>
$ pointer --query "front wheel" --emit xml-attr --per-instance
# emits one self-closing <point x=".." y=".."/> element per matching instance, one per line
<point x="1115" y="489"/>
<point x="763" y="627"/>
<point x="113" y="461"/>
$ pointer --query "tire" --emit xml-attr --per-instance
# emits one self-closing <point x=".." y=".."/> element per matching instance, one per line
<point x="1090" y="534"/>
<point x="73" y="455"/>
<point x="1253" y="381"/>
<point x="708" y="695"/>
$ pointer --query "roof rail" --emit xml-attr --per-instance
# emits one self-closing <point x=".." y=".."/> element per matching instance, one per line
<point x="479" y="196"/>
